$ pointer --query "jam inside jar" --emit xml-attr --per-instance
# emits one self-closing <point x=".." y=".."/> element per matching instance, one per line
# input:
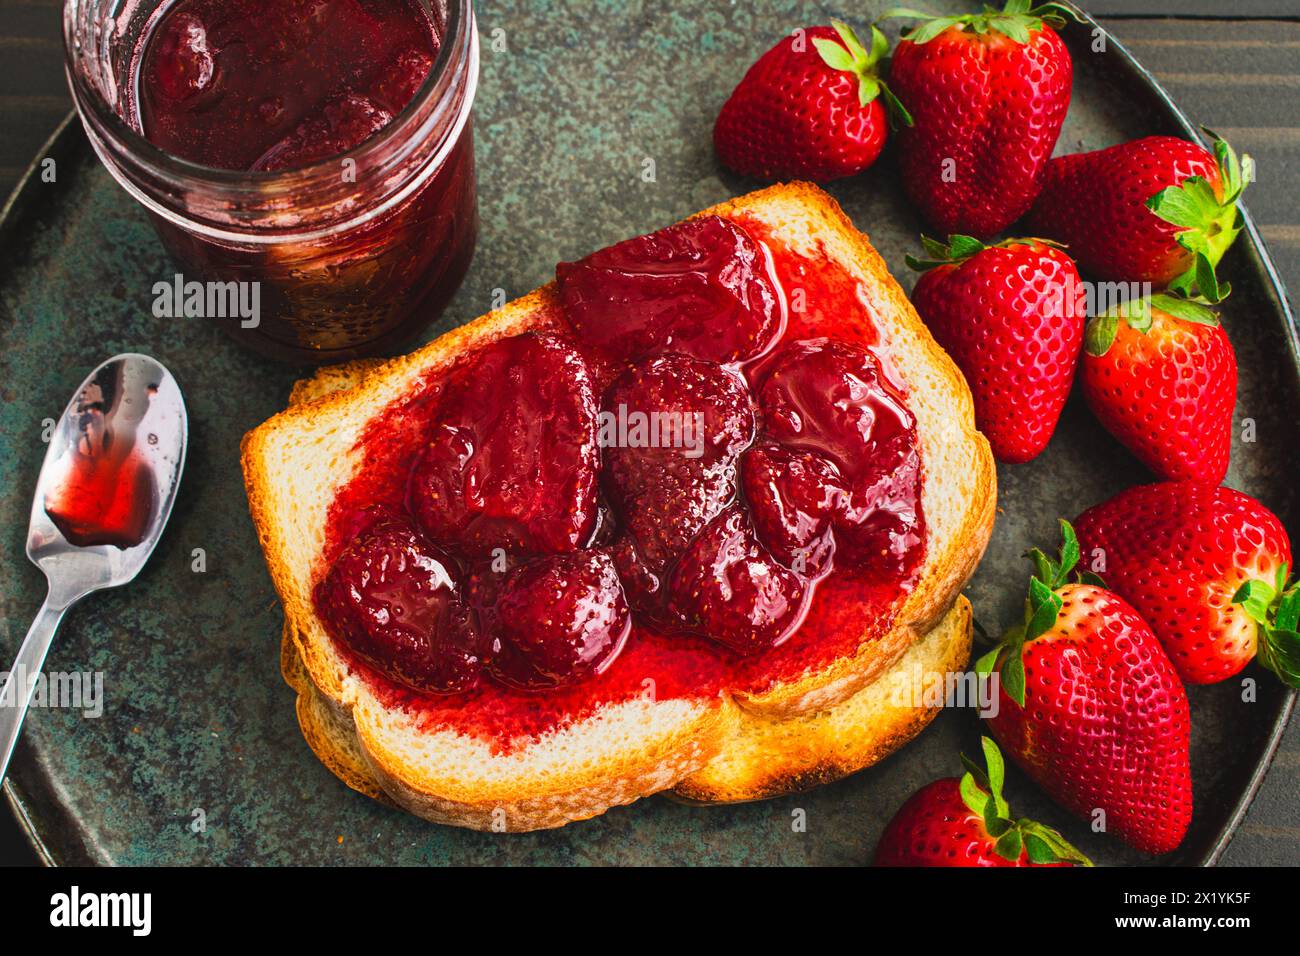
<point x="318" y="152"/>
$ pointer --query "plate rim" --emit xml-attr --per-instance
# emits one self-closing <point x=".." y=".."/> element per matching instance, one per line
<point x="68" y="136"/>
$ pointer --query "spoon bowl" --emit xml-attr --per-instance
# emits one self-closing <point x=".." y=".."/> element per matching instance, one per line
<point x="103" y="497"/>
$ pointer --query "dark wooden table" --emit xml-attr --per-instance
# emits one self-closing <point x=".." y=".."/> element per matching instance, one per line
<point x="1234" y="67"/>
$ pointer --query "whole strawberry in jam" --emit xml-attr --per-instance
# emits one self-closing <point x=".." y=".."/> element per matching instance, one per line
<point x="793" y="497"/>
<point x="672" y="428"/>
<point x="988" y="93"/>
<point x="393" y="600"/>
<point x="558" y="620"/>
<point x="833" y="400"/>
<point x="343" y="122"/>
<point x="812" y="107"/>
<point x="269" y="85"/>
<point x="1011" y="316"/>
<point x="703" y="288"/>
<point x="183" y="64"/>
<point x="511" y="462"/>
<point x="1208" y="568"/>
<point x="727" y="587"/>
<point x="1159" y="209"/>
<point x="966" y="822"/>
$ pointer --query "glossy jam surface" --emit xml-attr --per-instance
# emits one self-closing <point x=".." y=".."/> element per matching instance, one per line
<point x="277" y="84"/>
<point x="748" y="509"/>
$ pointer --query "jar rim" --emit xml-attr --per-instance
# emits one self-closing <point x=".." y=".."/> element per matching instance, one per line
<point x="460" y="18"/>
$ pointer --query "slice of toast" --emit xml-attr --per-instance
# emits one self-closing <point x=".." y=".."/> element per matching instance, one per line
<point x="827" y="722"/>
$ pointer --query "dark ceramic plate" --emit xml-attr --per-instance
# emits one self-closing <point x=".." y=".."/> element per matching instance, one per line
<point x="568" y="114"/>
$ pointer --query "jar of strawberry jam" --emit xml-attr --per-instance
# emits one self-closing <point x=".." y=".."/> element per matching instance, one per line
<point x="316" y="153"/>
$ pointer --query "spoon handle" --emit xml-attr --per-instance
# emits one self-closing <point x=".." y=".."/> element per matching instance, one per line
<point x="16" y="695"/>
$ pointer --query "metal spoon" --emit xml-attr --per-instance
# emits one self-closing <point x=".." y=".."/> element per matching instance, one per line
<point x="110" y="475"/>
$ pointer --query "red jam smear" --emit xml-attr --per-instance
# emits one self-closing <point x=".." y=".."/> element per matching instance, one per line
<point x="849" y="606"/>
<point x="258" y="85"/>
<point x="105" y="498"/>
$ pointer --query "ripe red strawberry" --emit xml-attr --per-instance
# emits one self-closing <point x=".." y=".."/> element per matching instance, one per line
<point x="1011" y="317"/>
<point x="1090" y="707"/>
<point x="1161" y="375"/>
<point x="812" y="107"/>
<point x="1207" y="568"/>
<point x="1161" y="209"/>
<point x="966" y="822"/>
<point x="988" y="93"/>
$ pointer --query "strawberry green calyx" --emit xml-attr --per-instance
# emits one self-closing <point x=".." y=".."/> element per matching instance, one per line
<point x="1208" y="225"/>
<point x="1099" y="333"/>
<point x="961" y="248"/>
<point x="1017" y="20"/>
<point x="1042" y="607"/>
<point x="1275" y="607"/>
<point x="854" y="58"/>
<point x="981" y="791"/>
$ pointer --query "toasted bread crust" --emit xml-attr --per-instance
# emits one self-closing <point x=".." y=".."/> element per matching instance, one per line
<point x="758" y="758"/>
<point x="675" y="743"/>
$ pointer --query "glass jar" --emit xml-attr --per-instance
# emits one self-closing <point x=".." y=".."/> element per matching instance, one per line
<point x="350" y="255"/>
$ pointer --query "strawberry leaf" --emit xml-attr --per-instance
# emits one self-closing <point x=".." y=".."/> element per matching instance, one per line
<point x="931" y="29"/>
<point x="1069" y="554"/>
<point x="981" y="792"/>
<point x="1017" y="28"/>
<point x="971" y="794"/>
<point x="1189" y="310"/>
<point x="963" y="247"/>
<point x="879" y="45"/>
<point x="976" y="772"/>
<point x="1277" y="612"/>
<point x="852" y="43"/>
<point x="1044" y="569"/>
<point x="997" y="773"/>
<point x="834" y="55"/>
<point x="1018" y="20"/>
<point x="868" y="89"/>
<point x="984" y="666"/>
<point x="898" y="114"/>
<point x="1176" y="206"/>
<point x="1061" y="850"/>
<point x="1013" y="676"/>
<point x="1279" y="651"/>
<point x="1038" y="850"/>
<point x="957" y="251"/>
<point x="1255" y="596"/>
<point x="1009" y="844"/>
<point x="1045" y="606"/>
<point x="1207" y="283"/>
<point x="934" y="247"/>
<point x="1288" y="610"/>
<point x="1099" y="334"/>
<point x="1207" y="224"/>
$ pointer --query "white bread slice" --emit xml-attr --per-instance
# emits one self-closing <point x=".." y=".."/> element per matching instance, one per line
<point x="759" y="758"/>
<point x="294" y="463"/>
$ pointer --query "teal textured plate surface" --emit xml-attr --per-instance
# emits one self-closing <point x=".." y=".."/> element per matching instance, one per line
<point x="575" y="103"/>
